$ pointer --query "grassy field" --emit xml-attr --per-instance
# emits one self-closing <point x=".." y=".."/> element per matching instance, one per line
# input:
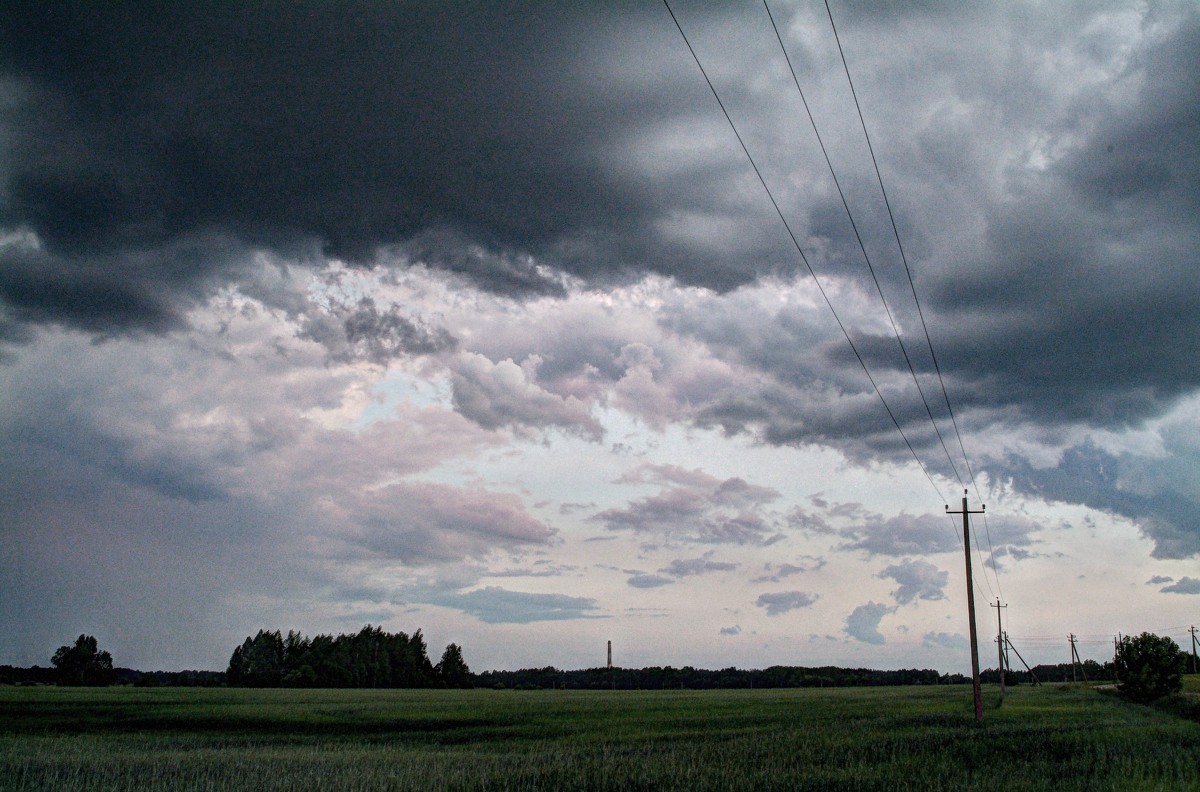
<point x="1052" y="738"/>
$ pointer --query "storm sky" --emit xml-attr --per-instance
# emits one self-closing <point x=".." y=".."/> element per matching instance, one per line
<point x="477" y="318"/>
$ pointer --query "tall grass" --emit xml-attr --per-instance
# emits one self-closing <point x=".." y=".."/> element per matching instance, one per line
<point x="865" y="739"/>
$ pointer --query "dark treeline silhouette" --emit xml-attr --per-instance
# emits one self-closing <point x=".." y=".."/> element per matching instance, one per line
<point x="1088" y="670"/>
<point x="128" y="676"/>
<point x="370" y="658"/>
<point x="374" y="658"/>
<point x="34" y="675"/>
<point x="689" y="678"/>
<point x="39" y="675"/>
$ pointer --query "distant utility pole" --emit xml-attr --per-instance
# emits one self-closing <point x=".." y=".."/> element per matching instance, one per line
<point x="1076" y="659"/>
<point x="971" y="603"/>
<point x="999" y="643"/>
<point x="1194" y="642"/>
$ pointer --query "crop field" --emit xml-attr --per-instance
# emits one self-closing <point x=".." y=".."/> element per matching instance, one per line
<point x="1051" y="738"/>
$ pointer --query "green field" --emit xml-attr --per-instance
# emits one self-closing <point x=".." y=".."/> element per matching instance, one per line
<point x="1052" y="738"/>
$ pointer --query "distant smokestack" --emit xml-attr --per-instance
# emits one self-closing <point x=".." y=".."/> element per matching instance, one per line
<point x="610" y="654"/>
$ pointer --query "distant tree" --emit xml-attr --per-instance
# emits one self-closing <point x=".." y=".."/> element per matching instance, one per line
<point x="258" y="662"/>
<point x="1148" y="667"/>
<point x="297" y="671"/>
<point x="452" y="670"/>
<point x="84" y="663"/>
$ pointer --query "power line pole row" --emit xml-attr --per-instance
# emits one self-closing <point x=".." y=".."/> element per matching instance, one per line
<point x="1000" y="661"/>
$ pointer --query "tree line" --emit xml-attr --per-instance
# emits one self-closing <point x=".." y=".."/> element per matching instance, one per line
<point x="370" y="658"/>
<point x="1146" y="667"/>
<point x="689" y="678"/>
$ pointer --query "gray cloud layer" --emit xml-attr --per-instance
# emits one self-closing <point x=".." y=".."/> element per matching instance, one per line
<point x="495" y="605"/>
<point x="918" y="580"/>
<point x="198" y="480"/>
<point x="780" y="602"/>
<point x="149" y="151"/>
<point x="144" y="148"/>
<point x="696" y="507"/>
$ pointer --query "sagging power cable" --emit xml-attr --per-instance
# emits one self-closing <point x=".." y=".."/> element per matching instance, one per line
<point x="800" y="250"/>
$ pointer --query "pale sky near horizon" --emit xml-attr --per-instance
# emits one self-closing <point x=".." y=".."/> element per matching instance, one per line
<point x="477" y="319"/>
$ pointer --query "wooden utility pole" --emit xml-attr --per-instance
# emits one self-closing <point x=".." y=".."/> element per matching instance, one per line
<point x="999" y="643"/>
<point x="1075" y="658"/>
<point x="1194" y="642"/>
<point x="971" y="603"/>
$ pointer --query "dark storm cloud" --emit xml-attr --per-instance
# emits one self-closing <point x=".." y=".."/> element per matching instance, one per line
<point x="476" y="138"/>
<point x="1077" y="304"/>
<point x="1048" y="211"/>
<point x="363" y="332"/>
<point x="111" y="293"/>
<point x="1044" y="166"/>
<point x="351" y="122"/>
<point x="514" y="144"/>
<point x="1163" y="509"/>
<point x="500" y="271"/>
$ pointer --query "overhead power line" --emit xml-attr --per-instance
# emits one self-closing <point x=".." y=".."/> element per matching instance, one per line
<point x="908" y="273"/>
<point x="866" y="257"/>
<point x="879" y="288"/>
<point x="800" y="250"/>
